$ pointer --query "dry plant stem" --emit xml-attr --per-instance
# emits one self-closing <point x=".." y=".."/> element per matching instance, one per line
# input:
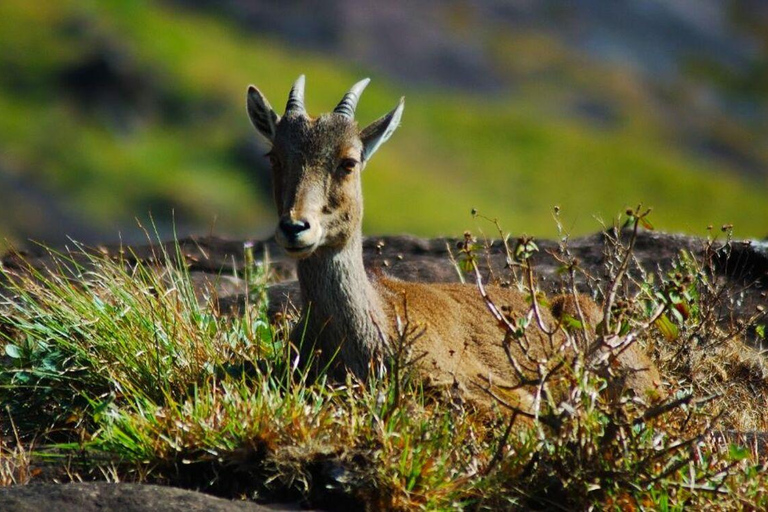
<point x="500" y="318"/>
<point x="502" y="443"/>
<point x="542" y="392"/>
<point x="455" y="263"/>
<point x="742" y="328"/>
<point x="541" y="389"/>
<point x="506" y="405"/>
<point x="575" y="294"/>
<point x="615" y="351"/>
<point x="502" y="237"/>
<point x="513" y="361"/>
<point x="19" y="468"/>
<point x="704" y="488"/>
<point x="682" y="444"/>
<point x="658" y="410"/>
<point x="709" y="475"/>
<point x="491" y="278"/>
<point x="505" y="241"/>
<point x="535" y="302"/>
<point x="488" y="302"/>
<point x="407" y="335"/>
<point x="722" y="475"/>
<point x="564" y="257"/>
<point x="673" y="468"/>
<point x="616" y="283"/>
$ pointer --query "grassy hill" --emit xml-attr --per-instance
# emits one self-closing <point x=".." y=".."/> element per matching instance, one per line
<point x="112" y="109"/>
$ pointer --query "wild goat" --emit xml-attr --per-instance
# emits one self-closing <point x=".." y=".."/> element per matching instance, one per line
<point x="351" y="319"/>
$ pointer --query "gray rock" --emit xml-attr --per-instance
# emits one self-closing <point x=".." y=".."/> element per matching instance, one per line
<point x="107" y="497"/>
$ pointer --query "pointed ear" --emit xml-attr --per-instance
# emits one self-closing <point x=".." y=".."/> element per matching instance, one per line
<point x="379" y="131"/>
<point x="262" y="115"/>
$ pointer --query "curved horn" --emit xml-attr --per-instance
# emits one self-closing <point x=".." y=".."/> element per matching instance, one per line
<point x="348" y="103"/>
<point x="296" y="97"/>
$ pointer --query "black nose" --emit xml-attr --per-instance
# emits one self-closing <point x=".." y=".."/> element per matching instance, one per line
<point x="292" y="228"/>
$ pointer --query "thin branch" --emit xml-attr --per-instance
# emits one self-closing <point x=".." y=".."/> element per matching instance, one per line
<point x="617" y="280"/>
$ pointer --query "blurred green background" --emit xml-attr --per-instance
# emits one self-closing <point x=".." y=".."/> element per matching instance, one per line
<point x="112" y="111"/>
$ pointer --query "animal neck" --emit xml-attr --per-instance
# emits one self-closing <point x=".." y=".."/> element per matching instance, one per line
<point x="342" y="310"/>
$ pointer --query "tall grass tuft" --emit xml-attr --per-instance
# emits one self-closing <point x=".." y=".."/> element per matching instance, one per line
<point x="93" y="329"/>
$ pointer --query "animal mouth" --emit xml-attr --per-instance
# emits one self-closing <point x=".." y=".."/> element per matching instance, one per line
<point x="299" y="246"/>
<point x="300" y="251"/>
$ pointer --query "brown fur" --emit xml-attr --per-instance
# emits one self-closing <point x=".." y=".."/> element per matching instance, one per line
<point x="350" y="321"/>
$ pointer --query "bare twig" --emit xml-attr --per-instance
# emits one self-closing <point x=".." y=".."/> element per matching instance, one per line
<point x="618" y="279"/>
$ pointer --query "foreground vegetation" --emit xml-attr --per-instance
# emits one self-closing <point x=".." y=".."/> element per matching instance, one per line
<point x="122" y="371"/>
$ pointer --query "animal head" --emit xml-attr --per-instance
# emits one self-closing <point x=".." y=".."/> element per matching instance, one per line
<point x="316" y="165"/>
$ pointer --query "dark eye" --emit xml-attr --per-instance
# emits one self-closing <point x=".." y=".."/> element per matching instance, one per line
<point x="272" y="159"/>
<point x="347" y="165"/>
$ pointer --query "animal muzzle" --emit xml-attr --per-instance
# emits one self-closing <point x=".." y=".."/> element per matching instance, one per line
<point x="299" y="236"/>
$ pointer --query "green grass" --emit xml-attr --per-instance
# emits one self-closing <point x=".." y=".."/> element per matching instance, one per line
<point x="158" y="381"/>
<point x="121" y="369"/>
<point x="514" y="155"/>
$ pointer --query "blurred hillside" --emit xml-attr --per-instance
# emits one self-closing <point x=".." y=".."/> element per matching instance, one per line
<point x="110" y="110"/>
